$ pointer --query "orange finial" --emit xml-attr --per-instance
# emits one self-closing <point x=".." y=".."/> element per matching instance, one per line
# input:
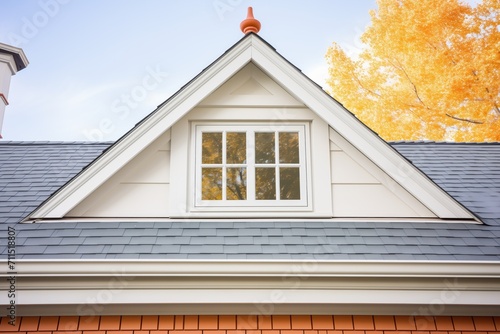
<point x="250" y="24"/>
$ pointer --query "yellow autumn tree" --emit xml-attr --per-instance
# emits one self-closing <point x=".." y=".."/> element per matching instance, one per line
<point x="428" y="70"/>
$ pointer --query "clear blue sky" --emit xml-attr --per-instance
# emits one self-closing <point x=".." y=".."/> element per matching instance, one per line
<point x="87" y="56"/>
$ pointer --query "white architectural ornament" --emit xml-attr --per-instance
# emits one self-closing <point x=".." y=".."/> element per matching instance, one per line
<point x="12" y="60"/>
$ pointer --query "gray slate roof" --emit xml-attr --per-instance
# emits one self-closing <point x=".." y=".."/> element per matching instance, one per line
<point x="467" y="171"/>
<point x="30" y="172"/>
<point x="258" y="240"/>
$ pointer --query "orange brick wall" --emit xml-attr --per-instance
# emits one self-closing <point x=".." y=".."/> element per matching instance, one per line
<point x="240" y="324"/>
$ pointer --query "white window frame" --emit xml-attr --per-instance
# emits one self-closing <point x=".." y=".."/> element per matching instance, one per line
<point x="302" y="128"/>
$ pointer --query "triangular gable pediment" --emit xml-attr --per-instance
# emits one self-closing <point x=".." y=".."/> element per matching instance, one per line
<point x="250" y="86"/>
<point x="211" y="88"/>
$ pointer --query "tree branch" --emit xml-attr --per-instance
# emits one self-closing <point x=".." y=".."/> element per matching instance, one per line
<point x="464" y="119"/>
<point x="476" y="76"/>
<point x="401" y="68"/>
<point x="362" y="86"/>
<point x="495" y="105"/>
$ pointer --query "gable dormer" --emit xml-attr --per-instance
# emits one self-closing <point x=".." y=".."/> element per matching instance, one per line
<point x="251" y="137"/>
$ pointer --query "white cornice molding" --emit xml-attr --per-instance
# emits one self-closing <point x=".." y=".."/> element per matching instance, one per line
<point x="257" y="302"/>
<point x="18" y="55"/>
<point x="263" y="268"/>
<point x="255" y="287"/>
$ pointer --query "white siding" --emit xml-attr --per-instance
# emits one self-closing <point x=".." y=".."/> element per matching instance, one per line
<point x="361" y="189"/>
<point x="140" y="189"/>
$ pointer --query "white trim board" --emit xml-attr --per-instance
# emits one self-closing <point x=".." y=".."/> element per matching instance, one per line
<point x="253" y="49"/>
<point x="247" y="286"/>
<point x="105" y="220"/>
<point x="276" y="268"/>
<point x="256" y="302"/>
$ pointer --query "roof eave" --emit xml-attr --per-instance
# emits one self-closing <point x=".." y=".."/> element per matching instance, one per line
<point x="229" y="287"/>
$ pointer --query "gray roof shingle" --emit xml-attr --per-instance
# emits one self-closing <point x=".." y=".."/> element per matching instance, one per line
<point x="329" y="242"/>
<point x="469" y="172"/>
<point x="30" y="172"/>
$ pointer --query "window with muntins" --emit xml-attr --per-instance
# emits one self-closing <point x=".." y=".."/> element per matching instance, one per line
<point x="250" y="165"/>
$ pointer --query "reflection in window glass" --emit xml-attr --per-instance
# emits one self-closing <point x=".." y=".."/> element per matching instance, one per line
<point x="251" y="165"/>
<point x="211" y="183"/>
<point x="265" y="183"/>
<point x="264" y="148"/>
<point x="289" y="183"/>
<point x="289" y="147"/>
<point x="236" y="147"/>
<point x="236" y="183"/>
<point x="211" y="148"/>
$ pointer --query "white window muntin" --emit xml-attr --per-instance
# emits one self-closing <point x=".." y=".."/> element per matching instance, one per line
<point x="250" y="130"/>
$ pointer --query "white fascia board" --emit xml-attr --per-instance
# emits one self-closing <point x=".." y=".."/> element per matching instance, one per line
<point x="256" y="301"/>
<point x="220" y="287"/>
<point x="145" y="133"/>
<point x="254" y="268"/>
<point x="260" y="296"/>
<point x="370" y="144"/>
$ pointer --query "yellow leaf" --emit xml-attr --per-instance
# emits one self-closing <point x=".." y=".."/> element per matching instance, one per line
<point x="430" y="70"/>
